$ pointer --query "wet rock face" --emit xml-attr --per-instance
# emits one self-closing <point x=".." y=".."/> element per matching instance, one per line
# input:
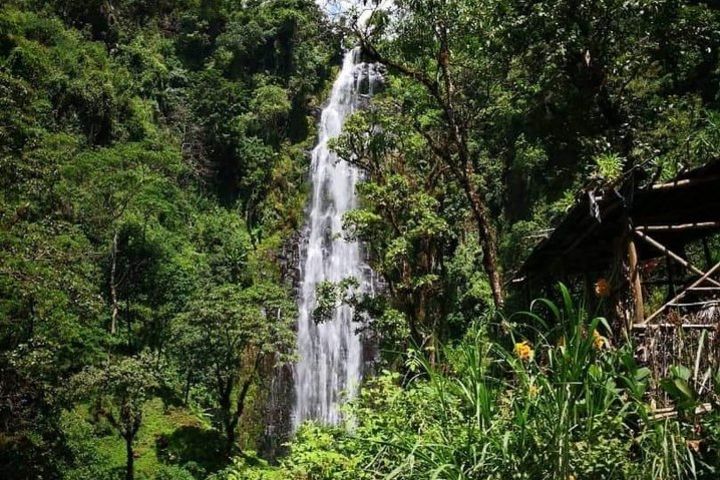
<point x="278" y="421"/>
<point x="278" y="407"/>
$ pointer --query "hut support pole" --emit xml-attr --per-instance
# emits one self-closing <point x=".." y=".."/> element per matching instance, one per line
<point x="635" y="283"/>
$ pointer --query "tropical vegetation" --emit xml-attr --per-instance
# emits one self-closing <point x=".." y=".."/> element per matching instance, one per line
<point x="153" y="180"/>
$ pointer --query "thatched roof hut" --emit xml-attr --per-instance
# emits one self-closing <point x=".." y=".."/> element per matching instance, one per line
<point x="655" y="249"/>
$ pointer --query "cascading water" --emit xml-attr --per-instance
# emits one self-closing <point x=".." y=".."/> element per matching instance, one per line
<point x="330" y="353"/>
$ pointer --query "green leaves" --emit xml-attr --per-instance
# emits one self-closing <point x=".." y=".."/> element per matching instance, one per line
<point x="331" y="296"/>
<point x="151" y="168"/>
<point x="677" y="385"/>
<point x="482" y="413"/>
<point x="609" y="167"/>
<point x="118" y="391"/>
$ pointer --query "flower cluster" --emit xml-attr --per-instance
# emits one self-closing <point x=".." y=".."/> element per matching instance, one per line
<point x="599" y="342"/>
<point x="524" y="351"/>
<point x="602" y="288"/>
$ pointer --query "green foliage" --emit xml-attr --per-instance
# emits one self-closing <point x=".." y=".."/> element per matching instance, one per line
<point x="331" y="295"/>
<point x="118" y="392"/>
<point x="412" y="221"/>
<point x="153" y="157"/>
<point x="574" y="409"/>
<point x="151" y="165"/>
<point x="677" y="385"/>
<point x="609" y="167"/>
<point x="223" y="338"/>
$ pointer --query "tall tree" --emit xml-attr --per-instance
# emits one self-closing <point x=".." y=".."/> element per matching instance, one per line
<point x="450" y="136"/>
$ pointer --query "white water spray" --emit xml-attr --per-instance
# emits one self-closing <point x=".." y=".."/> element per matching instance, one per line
<point x="331" y="357"/>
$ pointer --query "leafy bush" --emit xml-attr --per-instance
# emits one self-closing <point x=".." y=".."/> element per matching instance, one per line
<point x="557" y="403"/>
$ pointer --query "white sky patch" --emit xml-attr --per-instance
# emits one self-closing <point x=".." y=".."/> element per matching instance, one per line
<point x="335" y="8"/>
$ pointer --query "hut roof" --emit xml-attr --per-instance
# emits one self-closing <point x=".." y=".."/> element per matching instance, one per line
<point x="679" y="211"/>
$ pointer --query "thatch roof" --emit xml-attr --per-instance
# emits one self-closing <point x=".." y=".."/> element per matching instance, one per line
<point x="586" y="239"/>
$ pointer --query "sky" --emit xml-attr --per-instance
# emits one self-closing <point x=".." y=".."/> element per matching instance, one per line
<point x="335" y="7"/>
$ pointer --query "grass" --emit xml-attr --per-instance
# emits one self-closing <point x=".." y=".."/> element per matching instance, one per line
<point x="169" y="435"/>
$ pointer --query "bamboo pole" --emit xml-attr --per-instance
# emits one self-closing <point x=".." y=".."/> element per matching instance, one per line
<point x="679" y="227"/>
<point x="707" y="303"/>
<point x="673" y="255"/>
<point x="682" y="293"/>
<point x="688" y="182"/>
<point x="684" y="326"/>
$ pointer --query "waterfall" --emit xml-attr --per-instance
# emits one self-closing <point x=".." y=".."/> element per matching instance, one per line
<point x="330" y="353"/>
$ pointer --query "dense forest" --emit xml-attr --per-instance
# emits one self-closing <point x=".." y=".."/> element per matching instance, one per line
<point x="154" y="183"/>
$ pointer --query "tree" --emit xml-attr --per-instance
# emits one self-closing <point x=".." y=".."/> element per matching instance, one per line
<point x="118" y="392"/>
<point x="108" y="109"/>
<point x="450" y="139"/>
<point x="411" y="220"/>
<point x="225" y="336"/>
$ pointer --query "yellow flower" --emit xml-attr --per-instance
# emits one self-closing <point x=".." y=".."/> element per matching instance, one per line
<point x="599" y="342"/>
<point x="602" y="288"/>
<point x="524" y="351"/>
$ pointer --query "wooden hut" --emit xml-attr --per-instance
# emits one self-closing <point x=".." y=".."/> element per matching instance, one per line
<point x="652" y="253"/>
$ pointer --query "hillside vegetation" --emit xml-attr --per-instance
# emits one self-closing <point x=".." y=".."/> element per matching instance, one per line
<point x="153" y="169"/>
<point x="152" y="163"/>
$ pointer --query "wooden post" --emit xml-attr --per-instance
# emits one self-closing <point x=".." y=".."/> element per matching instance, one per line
<point x="635" y="282"/>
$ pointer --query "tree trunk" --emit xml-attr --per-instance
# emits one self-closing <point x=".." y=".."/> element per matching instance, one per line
<point x="487" y="240"/>
<point x="186" y="389"/>
<point x="230" y="438"/>
<point x="234" y="419"/>
<point x="113" y="286"/>
<point x="457" y="131"/>
<point x="130" y="459"/>
<point x="128" y="321"/>
<point x="225" y="392"/>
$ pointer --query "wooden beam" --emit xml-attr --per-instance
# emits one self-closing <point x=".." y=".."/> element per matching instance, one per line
<point x="688" y="326"/>
<point x="688" y="182"/>
<point x="696" y="304"/>
<point x="635" y="283"/>
<point x="680" y="227"/>
<point x="684" y="292"/>
<point x="673" y="255"/>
